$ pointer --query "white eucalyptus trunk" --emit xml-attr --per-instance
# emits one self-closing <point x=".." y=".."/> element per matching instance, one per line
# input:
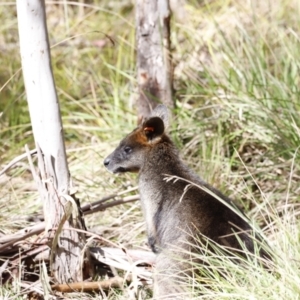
<point x="60" y="208"/>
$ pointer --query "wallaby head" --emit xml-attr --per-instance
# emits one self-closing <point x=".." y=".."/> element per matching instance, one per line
<point x="132" y="151"/>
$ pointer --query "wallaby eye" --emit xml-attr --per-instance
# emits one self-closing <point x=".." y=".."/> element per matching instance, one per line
<point x="127" y="149"/>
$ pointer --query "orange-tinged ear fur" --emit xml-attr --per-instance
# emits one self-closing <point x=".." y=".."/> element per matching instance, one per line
<point x="149" y="129"/>
<point x="153" y="128"/>
<point x="155" y="125"/>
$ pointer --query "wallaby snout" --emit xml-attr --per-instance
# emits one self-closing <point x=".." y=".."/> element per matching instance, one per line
<point x="117" y="162"/>
<point x="106" y="162"/>
<point x="109" y="166"/>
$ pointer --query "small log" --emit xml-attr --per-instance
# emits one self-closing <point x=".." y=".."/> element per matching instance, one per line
<point x="95" y="286"/>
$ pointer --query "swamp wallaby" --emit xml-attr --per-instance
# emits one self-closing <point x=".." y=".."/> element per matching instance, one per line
<point x="175" y="211"/>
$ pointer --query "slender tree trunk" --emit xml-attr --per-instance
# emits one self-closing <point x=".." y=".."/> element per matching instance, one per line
<point x="153" y="55"/>
<point x="61" y="209"/>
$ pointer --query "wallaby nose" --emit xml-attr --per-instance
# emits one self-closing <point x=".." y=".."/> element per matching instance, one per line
<point x="106" y="161"/>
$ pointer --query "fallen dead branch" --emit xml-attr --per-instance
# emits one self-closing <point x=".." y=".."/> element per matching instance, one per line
<point x="137" y="256"/>
<point x="135" y="264"/>
<point x="9" y="241"/>
<point x="95" y="286"/>
<point x="22" y="249"/>
<point x="106" y="254"/>
<point x="131" y="261"/>
<point x="92" y="208"/>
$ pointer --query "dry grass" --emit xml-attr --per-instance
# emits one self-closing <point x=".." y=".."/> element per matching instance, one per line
<point x="237" y="122"/>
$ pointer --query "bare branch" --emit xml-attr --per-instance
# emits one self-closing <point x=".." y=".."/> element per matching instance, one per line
<point x="96" y="286"/>
<point x="16" y="160"/>
<point x="9" y="240"/>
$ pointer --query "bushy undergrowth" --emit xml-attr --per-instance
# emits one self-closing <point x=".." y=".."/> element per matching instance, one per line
<point x="236" y="122"/>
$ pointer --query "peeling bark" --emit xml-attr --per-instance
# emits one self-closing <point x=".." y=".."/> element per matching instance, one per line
<point x="53" y="176"/>
<point x="153" y="55"/>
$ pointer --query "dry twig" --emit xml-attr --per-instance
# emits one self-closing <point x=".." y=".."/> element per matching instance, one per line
<point x="95" y="286"/>
<point x="10" y="240"/>
<point x="16" y="160"/>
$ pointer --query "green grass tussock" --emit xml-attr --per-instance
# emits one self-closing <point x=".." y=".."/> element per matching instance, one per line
<point x="237" y="121"/>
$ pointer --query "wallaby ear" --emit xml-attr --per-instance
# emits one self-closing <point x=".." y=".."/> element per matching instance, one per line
<point x="153" y="127"/>
<point x="162" y="112"/>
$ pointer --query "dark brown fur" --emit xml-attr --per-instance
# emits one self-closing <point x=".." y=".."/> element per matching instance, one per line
<point x="171" y="213"/>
